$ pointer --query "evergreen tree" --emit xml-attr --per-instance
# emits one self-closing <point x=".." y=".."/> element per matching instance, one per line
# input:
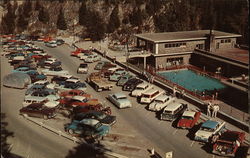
<point x="37" y="5"/>
<point x="22" y="21"/>
<point x="8" y="21"/>
<point x="135" y="17"/>
<point x="43" y="16"/>
<point x="114" y="21"/>
<point x="61" y="23"/>
<point x="83" y="14"/>
<point x="27" y="8"/>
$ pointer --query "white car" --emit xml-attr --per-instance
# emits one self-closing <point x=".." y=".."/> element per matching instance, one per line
<point x="150" y="95"/>
<point x="140" y="88"/>
<point x="51" y="44"/>
<point x="72" y="84"/>
<point x="55" y="71"/>
<point x="83" y="56"/>
<point x="209" y="129"/>
<point x="46" y="83"/>
<point x="52" y="104"/>
<point x="92" y="58"/>
<point x="43" y="95"/>
<point x="83" y="68"/>
<point x="120" y="100"/>
<point x="160" y="102"/>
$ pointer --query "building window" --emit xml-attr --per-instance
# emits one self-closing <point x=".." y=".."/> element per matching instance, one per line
<point x="200" y="46"/>
<point x="172" y="45"/>
<point x="226" y="41"/>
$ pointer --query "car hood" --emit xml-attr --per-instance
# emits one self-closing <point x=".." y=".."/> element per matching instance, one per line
<point x="72" y="125"/>
<point x="103" y="130"/>
<point x="203" y="134"/>
<point x="185" y="123"/>
<point x="52" y="104"/>
<point x="109" y="120"/>
<point x="153" y="105"/>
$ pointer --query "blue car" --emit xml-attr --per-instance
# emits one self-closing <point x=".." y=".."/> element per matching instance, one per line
<point x="117" y="75"/>
<point x="24" y="70"/>
<point x="87" y="127"/>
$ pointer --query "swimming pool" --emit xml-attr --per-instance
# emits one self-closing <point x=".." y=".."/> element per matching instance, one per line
<point x="192" y="81"/>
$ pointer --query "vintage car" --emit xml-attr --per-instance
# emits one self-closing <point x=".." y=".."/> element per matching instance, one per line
<point x="60" y="42"/>
<point x="148" y="96"/>
<point x="25" y="63"/>
<point x="83" y="68"/>
<point x="131" y="84"/>
<point x="51" y="44"/>
<point x="74" y="92"/>
<point x="98" y="115"/>
<point x="24" y="70"/>
<point x="60" y="80"/>
<point x="35" y="76"/>
<point x="78" y="51"/>
<point x="55" y="71"/>
<point x="160" y="102"/>
<point x="83" y="109"/>
<point x="124" y="79"/>
<point x="109" y="71"/>
<point x="78" y="101"/>
<point x="46" y="83"/>
<point x="87" y="127"/>
<point x="100" y="64"/>
<point x="49" y="64"/>
<point x="92" y="58"/>
<point x="173" y="111"/>
<point x="140" y="88"/>
<point x="228" y="143"/>
<point x="72" y="84"/>
<point x="189" y="119"/>
<point x="83" y="56"/>
<point x="208" y="129"/>
<point x="44" y="94"/>
<point x="117" y="75"/>
<point x="38" y="110"/>
<point x="51" y="104"/>
<point x="120" y="100"/>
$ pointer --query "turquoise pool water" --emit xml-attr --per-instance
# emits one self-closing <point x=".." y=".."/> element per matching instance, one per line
<point x="192" y="81"/>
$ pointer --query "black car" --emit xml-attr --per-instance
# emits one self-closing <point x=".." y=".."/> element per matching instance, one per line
<point x="98" y="115"/>
<point x="45" y="64"/>
<point x="60" y="42"/>
<point x="131" y="84"/>
<point x="60" y="80"/>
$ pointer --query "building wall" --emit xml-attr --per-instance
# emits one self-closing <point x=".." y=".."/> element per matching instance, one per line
<point x="225" y="45"/>
<point x="190" y="46"/>
<point x="163" y="59"/>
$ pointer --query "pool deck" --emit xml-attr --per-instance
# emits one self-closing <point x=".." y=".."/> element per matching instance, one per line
<point x="235" y="117"/>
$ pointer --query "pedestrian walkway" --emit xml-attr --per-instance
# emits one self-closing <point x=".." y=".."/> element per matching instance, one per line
<point x="227" y="112"/>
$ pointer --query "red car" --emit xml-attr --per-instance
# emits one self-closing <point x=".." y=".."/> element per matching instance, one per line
<point x="74" y="92"/>
<point x="83" y="109"/>
<point x="78" y="101"/>
<point x="227" y="143"/>
<point x="188" y="119"/>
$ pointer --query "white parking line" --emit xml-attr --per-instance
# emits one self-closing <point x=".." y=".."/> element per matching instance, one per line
<point x="192" y="143"/>
<point x="175" y="132"/>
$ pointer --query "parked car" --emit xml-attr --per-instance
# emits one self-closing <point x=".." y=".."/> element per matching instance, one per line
<point x="60" y="42"/>
<point x="188" y="119"/>
<point x="228" y="143"/>
<point x="38" y="110"/>
<point x="35" y="76"/>
<point x="60" y="80"/>
<point x="208" y="129"/>
<point x="83" y="68"/>
<point x="49" y="64"/>
<point x="72" y="84"/>
<point x="55" y="71"/>
<point x="148" y="96"/>
<point x="51" y="44"/>
<point x="78" y="101"/>
<point x="74" y="92"/>
<point x="87" y="127"/>
<point x="92" y="58"/>
<point x="24" y="70"/>
<point x="99" y="107"/>
<point x="45" y="95"/>
<point x="173" y="111"/>
<point x="140" y="88"/>
<point x="46" y="83"/>
<point x="117" y="75"/>
<point x="160" y="102"/>
<point x="98" y="115"/>
<point x="101" y="64"/>
<point x="25" y="63"/>
<point x="120" y="100"/>
<point x="131" y="84"/>
<point x="124" y="79"/>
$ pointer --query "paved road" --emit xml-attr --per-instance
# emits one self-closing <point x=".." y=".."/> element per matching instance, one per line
<point x="160" y="133"/>
<point x="29" y="139"/>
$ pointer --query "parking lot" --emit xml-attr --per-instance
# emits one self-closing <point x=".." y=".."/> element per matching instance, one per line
<point x="136" y="129"/>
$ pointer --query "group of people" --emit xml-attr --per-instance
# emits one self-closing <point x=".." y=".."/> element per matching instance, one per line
<point x="212" y="109"/>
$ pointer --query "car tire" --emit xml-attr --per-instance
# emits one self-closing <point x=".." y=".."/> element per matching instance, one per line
<point x="70" y="131"/>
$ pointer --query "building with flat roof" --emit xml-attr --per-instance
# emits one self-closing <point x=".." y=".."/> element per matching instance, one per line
<point x="181" y="48"/>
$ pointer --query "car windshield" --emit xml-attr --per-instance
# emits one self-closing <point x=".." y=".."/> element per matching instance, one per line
<point x="122" y="97"/>
<point x="167" y="112"/>
<point x="207" y="129"/>
<point x="101" y="116"/>
<point x="140" y="88"/>
<point x="158" y="101"/>
<point x="98" y="125"/>
<point x="187" y="117"/>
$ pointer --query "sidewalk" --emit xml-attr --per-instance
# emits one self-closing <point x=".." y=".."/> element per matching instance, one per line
<point x="237" y="120"/>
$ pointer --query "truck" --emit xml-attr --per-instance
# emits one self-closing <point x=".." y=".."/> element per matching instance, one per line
<point x="99" y="83"/>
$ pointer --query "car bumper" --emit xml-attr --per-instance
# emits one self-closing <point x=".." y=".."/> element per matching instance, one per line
<point x="222" y="153"/>
<point x="201" y="139"/>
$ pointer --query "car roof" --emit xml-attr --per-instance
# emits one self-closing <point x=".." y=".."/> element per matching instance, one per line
<point x="142" y="85"/>
<point x="119" y="95"/>
<point x="230" y="135"/>
<point x="91" y="122"/>
<point x="78" y="97"/>
<point x="151" y="91"/>
<point x="189" y="113"/>
<point x="162" y="97"/>
<point x="173" y="106"/>
<point x="72" y="80"/>
<point x="40" y="82"/>
<point x="210" y="124"/>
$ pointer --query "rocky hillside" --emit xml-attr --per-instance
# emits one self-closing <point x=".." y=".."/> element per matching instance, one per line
<point x="121" y="18"/>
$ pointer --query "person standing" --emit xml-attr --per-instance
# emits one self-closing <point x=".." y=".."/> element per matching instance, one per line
<point x="209" y="109"/>
<point x="216" y="108"/>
